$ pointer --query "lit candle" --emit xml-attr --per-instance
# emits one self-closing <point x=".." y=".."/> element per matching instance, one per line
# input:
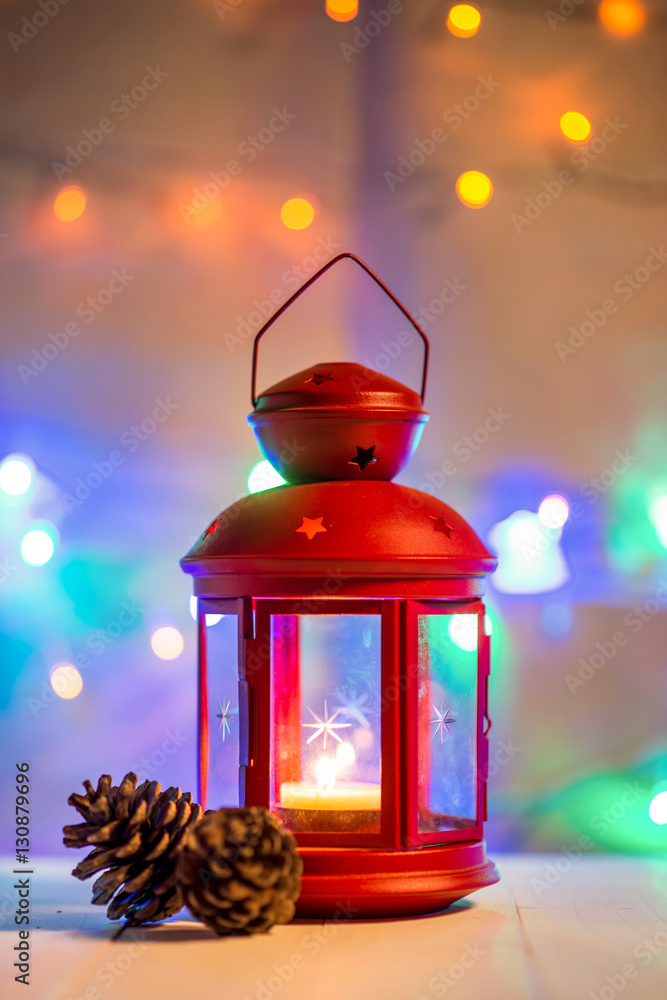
<point x="358" y="796"/>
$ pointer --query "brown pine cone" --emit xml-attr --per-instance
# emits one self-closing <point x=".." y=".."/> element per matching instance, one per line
<point x="239" y="871"/>
<point x="137" y="833"/>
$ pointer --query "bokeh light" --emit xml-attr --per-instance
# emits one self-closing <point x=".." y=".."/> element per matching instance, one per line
<point x="38" y="544"/>
<point x="530" y="559"/>
<point x="346" y="755"/>
<point x="167" y="642"/>
<point x="464" y="20"/>
<point x="554" y="511"/>
<point x="657" y="809"/>
<point x="210" y="619"/>
<point x="474" y="189"/>
<point x="70" y="204"/>
<point x="15" y="475"/>
<point x="208" y="214"/>
<point x="623" y="17"/>
<point x="342" y="10"/>
<point x="264" y="477"/>
<point x="297" y="213"/>
<point x="66" y="680"/>
<point x="463" y="631"/>
<point x="657" y="512"/>
<point x="575" y="126"/>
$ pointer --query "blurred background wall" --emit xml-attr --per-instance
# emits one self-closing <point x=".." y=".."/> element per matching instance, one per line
<point x="127" y="335"/>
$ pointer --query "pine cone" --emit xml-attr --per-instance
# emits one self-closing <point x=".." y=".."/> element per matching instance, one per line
<point x="137" y="833"/>
<point x="239" y="871"/>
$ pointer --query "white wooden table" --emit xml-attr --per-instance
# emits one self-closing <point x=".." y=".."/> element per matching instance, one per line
<point x="595" y="930"/>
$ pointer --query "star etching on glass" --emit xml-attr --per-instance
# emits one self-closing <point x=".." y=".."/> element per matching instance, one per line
<point x="352" y="707"/>
<point x="224" y="715"/>
<point x="442" y="721"/>
<point x="325" y="726"/>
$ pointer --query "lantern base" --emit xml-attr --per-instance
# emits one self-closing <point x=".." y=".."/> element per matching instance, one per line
<point x="363" y="883"/>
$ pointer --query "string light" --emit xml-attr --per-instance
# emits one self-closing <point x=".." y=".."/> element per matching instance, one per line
<point x="474" y="189"/>
<point x="264" y="477"/>
<point x="657" y="809"/>
<point x="70" y="204"/>
<point x="554" y="511"/>
<point x="342" y="10"/>
<point x="66" y="681"/>
<point x="297" y="213"/>
<point x="167" y="642"/>
<point x="657" y="512"/>
<point x="15" y="475"/>
<point x="464" y="20"/>
<point x="38" y="544"/>
<point x="623" y="17"/>
<point x="575" y="126"/>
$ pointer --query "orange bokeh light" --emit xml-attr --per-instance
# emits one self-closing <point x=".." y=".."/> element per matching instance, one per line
<point x="208" y="215"/>
<point x="342" y="10"/>
<point x="623" y="17"/>
<point x="70" y="203"/>
<point x="575" y="126"/>
<point x="297" y="213"/>
<point x="464" y="20"/>
<point x="474" y="189"/>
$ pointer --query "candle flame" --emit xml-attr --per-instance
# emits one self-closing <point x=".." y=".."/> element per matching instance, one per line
<point x="325" y="772"/>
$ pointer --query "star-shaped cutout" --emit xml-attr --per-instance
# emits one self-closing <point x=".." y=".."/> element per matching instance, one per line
<point x="443" y="720"/>
<point x="311" y="526"/>
<point x="363" y="457"/>
<point x="318" y="379"/>
<point x="352" y="707"/>
<point x="325" y="726"/>
<point x="224" y="715"/>
<point x="441" y="525"/>
<point x="211" y="528"/>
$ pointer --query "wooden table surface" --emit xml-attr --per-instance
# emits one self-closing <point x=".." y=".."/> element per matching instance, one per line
<point x="552" y="928"/>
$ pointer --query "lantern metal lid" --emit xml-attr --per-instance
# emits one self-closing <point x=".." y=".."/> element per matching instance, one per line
<point x="338" y="421"/>
<point x="285" y="539"/>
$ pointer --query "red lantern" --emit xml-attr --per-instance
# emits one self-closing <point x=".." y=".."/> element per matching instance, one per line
<point x="356" y="705"/>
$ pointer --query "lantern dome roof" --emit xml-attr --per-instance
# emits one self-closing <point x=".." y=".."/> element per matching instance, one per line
<point x="338" y="421"/>
<point x="375" y="538"/>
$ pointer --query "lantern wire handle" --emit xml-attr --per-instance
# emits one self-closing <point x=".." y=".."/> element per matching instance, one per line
<point x="334" y="260"/>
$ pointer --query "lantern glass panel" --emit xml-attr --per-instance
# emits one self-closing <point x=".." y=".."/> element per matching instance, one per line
<point x="447" y="742"/>
<point x="326" y="759"/>
<point x="221" y="652"/>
